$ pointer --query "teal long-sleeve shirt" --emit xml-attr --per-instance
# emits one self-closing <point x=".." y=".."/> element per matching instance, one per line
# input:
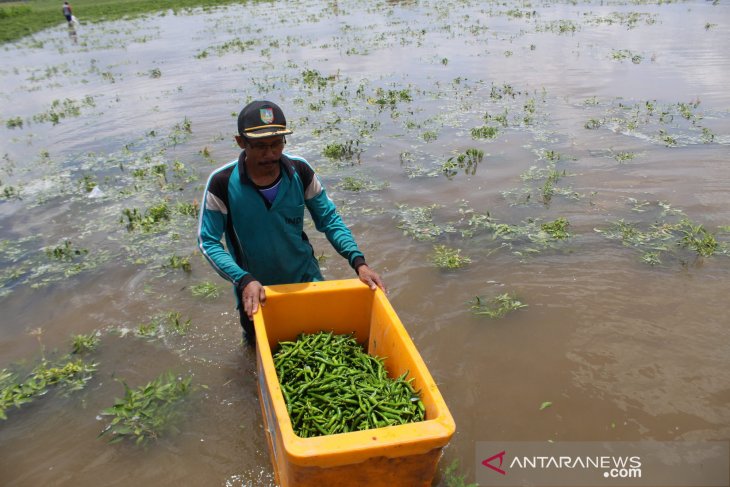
<point x="266" y="241"/>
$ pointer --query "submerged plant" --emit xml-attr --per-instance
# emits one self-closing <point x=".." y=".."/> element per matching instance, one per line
<point x="178" y="262"/>
<point x="339" y="151"/>
<point x="593" y="124"/>
<point x="65" y="251"/>
<point x="148" y="411"/>
<point x="64" y="109"/>
<point x="697" y="238"/>
<point x="624" y="156"/>
<point x="69" y="375"/>
<point x="314" y="79"/>
<point x="557" y="229"/>
<point x="468" y="161"/>
<point x="357" y="184"/>
<point x="417" y="222"/>
<point x="390" y="98"/>
<point x="88" y="183"/>
<point x="496" y="307"/>
<point x="188" y="209"/>
<point x="453" y="478"/>
<point x="15" y="122"/>
<point x="162" y="324"/>
<point x="429" y="136"/>
<point x="448" y="258"/>
<point x="484" y="132"/>
<point x="148" y="221"/>
<point x="651" y="258"/>
<point x="84" y="343"/>
<point x="658" y="238"/>
<point x="206" y="290"/>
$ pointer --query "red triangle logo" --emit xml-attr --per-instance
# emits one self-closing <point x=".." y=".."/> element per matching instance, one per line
<point x="487" y="462"/>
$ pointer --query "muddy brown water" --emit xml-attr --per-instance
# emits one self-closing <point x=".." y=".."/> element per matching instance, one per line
<point x="622" y="349"/>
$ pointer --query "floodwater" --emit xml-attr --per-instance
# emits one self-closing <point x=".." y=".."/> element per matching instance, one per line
<point x="602" y="112"/>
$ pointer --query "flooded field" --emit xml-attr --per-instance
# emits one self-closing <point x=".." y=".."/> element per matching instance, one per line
<point x="542" y="185"/>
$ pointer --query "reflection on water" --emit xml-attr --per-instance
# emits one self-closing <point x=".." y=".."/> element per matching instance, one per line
<point x="476" y="126"/>
<point x="72" y="34"/>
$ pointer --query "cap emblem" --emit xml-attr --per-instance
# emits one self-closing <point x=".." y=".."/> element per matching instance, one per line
<point x="267" y="115"/>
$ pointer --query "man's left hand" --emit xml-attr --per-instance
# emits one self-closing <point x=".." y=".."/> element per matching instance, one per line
<point x="370" y="277"/>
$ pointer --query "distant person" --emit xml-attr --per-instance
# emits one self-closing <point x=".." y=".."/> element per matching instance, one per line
<point x="257" y="202"/>
<point x="67" y="12"/>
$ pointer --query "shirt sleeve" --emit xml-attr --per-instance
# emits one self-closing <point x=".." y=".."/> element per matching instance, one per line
<point x="211" y="228"/>
<point x="328" y="221"/>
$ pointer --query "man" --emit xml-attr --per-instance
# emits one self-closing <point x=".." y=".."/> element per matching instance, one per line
<point x="257" y="202"/>
<point x="66" y="9"/>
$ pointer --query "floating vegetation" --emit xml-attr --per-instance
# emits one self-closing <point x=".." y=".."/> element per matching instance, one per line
<point x="627" y="19"/>
<point x="623" y="156"/>
<point x="234" y="45"/>
<point x="414" y="169"/>
<point x="65" y="252"/>
<point x="448" y="258"/>
<point x="390" y="98"/>
<point x="149" y="221"/>
<point x="453" y="478"/>
<point x="417" y="222"/>
<point x="665" y="235"/>
<point x="357" y="184"/>
<point x="206" y="290"/>
<point x="429" y="136"/>
<point x="314" y="79"/>
<point x="468" y="161"/>
<point x="181" y="131"/>
<point x="557" y="229"/>
<point x="484" y="132"/>
<point x="10" y="193"/>
<point x="188" y="209"/>
<point x="148" y="411"/>
<point x="672" y="124"/>
<point x="14" y="122"/>
<point x="496" y="307"/>
<point x="549" y="176"/>
<point x="82" y="344"/>
<point x="88" y="183"/>
<point x="562" y="26"/>
<point x="61" y="109"/>
<point x="178" y="262"/>
<point x="162" y="325"/>
<point x="697" y="238"/>
<point x="529" y="237"/>
<point x="67" y="374"/>
<point x="621" y="54"/>
<point x="111" y="185"/>
<point x="25" y="265"/>
<point x="593" y="124"/>
<point x="342" y="152"/>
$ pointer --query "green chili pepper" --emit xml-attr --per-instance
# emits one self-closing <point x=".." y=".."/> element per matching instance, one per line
<point x="330" y="385"/>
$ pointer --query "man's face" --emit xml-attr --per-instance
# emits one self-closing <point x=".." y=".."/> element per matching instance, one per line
<point x="262" y="152"/>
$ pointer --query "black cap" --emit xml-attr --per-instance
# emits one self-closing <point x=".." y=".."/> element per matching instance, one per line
<point x="261" y="118"/>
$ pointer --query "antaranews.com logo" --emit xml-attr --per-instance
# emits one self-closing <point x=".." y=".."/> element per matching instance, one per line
<point x="610" y="466"/>
<point x="600" y="464"/>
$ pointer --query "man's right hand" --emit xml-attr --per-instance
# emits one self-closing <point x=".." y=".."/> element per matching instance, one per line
<point x="253" y="295"/>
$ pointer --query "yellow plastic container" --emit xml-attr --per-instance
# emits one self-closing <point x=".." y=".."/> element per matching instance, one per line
<point x="394" y="456"/>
